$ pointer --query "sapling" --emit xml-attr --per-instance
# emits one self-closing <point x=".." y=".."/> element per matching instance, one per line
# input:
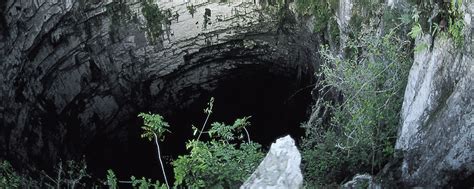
<point x="154" y="129"/>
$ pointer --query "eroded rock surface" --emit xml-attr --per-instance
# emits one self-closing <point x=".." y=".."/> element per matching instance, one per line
<point x="437" y="135"/>
<point x="73" y="71"/>
<point x="279" y="169"/>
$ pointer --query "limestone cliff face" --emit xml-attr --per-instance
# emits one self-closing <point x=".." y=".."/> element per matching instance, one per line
<point x="437" y="132"/>
<point x="75" y="70"/>
<point x="436" y="136"/>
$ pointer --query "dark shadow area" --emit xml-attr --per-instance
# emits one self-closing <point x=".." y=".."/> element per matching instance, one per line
<point x="461" y="180"/>
<point x="278" y="103"/>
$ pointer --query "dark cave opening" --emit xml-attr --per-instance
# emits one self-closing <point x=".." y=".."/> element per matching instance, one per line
<point x="277" y="104"/>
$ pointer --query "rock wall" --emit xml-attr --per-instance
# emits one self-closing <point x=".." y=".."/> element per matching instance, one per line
<point x="76" y="70"/>
<point x="437" y="133"/>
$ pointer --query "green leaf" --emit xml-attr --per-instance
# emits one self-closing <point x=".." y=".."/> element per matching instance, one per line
<point x="416" y="31"/>
<point x="153" y="124"/>
<point x="405" y="18"/>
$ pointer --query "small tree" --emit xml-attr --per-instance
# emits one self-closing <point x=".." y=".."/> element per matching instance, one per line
<point x="154" y="128"/>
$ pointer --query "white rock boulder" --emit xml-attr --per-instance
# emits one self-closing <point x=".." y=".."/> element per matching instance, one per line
<point x="279" y="169"/>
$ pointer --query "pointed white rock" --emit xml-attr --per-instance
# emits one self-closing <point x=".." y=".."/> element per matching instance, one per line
<point x="279" y="169"/>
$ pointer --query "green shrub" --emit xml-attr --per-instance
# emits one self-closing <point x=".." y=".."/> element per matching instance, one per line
<point x="442" y="18"/>
<point x="216" y="164"/>
<point x="456" y="22"/>
<point x="360" y="96"/>
<point x="223" y="162"/>
<point x="8" y="177"/>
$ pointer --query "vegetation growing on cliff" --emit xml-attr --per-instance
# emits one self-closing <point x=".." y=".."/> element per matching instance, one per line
<point x="155" y="19"/>
<point x="443" y="18"/>
<point x="353" y="128"/>
<point x="324" y="12"/>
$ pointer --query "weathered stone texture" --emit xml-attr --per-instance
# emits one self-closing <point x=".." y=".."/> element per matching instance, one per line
<point x="437" y="133"/>
<point x="71" y="71"/>
<point x="279" y="169"/>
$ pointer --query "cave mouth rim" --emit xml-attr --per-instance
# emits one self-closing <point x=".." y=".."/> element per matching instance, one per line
<point x="290" y="78"/>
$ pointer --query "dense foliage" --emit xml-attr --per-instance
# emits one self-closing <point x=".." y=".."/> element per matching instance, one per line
<point x="353" y="128"/>
<point x="219" y="162"/>
<point x="443" y="19"/>
<point x="225" y="161"/>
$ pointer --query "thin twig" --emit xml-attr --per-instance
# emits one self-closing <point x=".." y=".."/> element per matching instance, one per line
<point x="248" y="136"/>
<point x="204" y="125"/>
<point x="159" y="158"/>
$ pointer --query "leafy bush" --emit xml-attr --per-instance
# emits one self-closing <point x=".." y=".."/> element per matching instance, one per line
<point x="225" y="160"/>
<point x="354" y="128"/>
<point x="218" y="162"/>
<point x="221" y="162"/>
<point x="456" y="22"/>
<point x="8" y="177"/>
<point x="445" y="18"/>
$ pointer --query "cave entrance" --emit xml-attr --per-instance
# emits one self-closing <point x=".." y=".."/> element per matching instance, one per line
<point x="277" y="103"/>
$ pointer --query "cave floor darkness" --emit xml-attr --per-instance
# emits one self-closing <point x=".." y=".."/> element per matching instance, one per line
<point x="277" y="106"/>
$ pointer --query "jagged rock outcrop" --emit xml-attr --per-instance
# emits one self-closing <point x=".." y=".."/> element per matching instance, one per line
<point x="73" y="71"/>
<point x="437" y="134"/>
<point x="279" y="169"/>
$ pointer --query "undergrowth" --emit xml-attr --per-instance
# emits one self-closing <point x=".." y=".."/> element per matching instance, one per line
<point x="353" y="127"/>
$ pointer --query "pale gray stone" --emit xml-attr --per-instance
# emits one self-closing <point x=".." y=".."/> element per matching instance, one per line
<point x="279" y="169"/>
<point x="437" y="133"/>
